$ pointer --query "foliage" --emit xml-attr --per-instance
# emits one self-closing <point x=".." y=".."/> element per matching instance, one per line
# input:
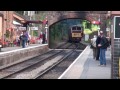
<point x="59" y="31"/>
<point x="87" y="31"/>
<point x="94" y="27"/>
<point x="108" y="22"/>
<point x="89" y="27"/>
<point x="3" y="43"/>
<point x="35" y="33"/>
<point x="7" y="33"/>
<point x="32" y="41"/>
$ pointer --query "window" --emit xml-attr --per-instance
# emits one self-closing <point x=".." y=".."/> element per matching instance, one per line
<point x="73" y="28"/>
<point x="78" y="28"/>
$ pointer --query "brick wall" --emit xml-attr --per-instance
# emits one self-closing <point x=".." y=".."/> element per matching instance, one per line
<point x="115" y="53"/>
<point x="115" y="61"/>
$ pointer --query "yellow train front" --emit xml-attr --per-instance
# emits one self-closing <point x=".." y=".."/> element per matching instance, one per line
<point x="75" y="34"/>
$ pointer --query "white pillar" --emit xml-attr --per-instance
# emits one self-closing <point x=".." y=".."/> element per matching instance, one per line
<point x="99" y="26"/>
<point x="86" y="37"/>
<point x="46" y="27"/>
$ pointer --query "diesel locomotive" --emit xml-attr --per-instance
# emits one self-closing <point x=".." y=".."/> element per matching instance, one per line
<point x="75" y="34"/>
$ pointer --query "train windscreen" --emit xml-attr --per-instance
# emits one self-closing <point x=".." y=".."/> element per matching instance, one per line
<point x="78" y="28"/>
<point x="73" y="28"/>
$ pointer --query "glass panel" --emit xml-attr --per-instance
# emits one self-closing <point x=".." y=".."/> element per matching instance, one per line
<point x="78" y="28"/>
<point x="73" y="28"/>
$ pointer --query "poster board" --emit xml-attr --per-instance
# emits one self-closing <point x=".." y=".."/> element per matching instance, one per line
<point x="116" y="27"/>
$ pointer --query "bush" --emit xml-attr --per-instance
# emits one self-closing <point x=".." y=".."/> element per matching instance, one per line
<point x="3" y="43"/>
<point x="32" y="41"/>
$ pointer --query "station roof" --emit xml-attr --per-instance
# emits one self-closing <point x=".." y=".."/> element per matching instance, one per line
<point x="25" y="19"/>
<point x="16" y="23"/>
<point x="19" y="17"/>
<point x="34" y="21"/>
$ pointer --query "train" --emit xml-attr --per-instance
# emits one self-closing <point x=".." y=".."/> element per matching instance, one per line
<point x="75" y="34"/>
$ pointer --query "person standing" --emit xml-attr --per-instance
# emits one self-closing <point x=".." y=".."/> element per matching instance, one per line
<point x="98" y="48"/>
<point x="20" y="38"/>
<point x="24" y="39"/>
<point x="43" y="42"/>
<point x="93" y="42"/>
<point x="41" y="37"/>
<point x="103" y="47"/>
<point x="27" y="37"/>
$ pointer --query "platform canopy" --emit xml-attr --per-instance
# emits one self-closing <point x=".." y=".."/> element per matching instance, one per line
<point x="16" y="23"/>
<point x="33" y="21"/>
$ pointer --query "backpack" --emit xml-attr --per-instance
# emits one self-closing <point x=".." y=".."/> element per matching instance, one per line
<point x="107" y="43"/>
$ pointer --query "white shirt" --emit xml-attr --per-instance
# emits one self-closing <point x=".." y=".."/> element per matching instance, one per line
<point x="93" y="41"/>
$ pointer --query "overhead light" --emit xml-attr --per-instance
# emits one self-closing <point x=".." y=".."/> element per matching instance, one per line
<point x="16" y="23"/>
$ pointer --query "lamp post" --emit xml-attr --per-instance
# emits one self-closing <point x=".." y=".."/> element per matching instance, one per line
<point x="98" y="31"/>
<point x="99" y="21"/>
<point x="46" y="27"/>
<point x="108" y="27"/>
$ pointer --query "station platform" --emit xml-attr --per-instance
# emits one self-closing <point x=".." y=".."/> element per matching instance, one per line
<point x="13" y="55"/>
<point x="85" y="67"/>
<point x="5" y="49"/>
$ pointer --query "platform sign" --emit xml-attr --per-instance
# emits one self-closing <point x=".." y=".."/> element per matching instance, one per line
<point x="22" y="28"/>
<point x="116" y="27"/>
<point x="34" y="28"/>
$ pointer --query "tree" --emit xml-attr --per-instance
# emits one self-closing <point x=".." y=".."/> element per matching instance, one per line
<point x="7" y="33"/>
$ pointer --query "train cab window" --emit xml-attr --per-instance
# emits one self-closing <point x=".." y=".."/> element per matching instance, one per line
<point x="73" y="28"/>
<point x="78" y="28"/>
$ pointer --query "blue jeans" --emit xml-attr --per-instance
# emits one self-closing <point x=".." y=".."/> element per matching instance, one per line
<point x="23" y="43"/>
<point x="102" y="56"/>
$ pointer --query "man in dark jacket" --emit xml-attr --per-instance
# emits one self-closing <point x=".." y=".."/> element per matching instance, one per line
<point x="103" y="47"/>
<point x="43" y="41"/>
<point x="98" y="48"/>
<point x="24" y="38"/>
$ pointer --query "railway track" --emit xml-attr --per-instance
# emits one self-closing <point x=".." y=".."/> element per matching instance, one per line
<point x="15" y="69"/>
<point x="55" y="70"/>
<point x="19" y="67"/>
<point x="54" y="65"/>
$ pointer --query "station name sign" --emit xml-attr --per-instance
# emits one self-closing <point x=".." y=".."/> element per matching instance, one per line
<point x="34" y="28"/>
<point x="116" y="27"/>
<point x="22" y="28"/>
